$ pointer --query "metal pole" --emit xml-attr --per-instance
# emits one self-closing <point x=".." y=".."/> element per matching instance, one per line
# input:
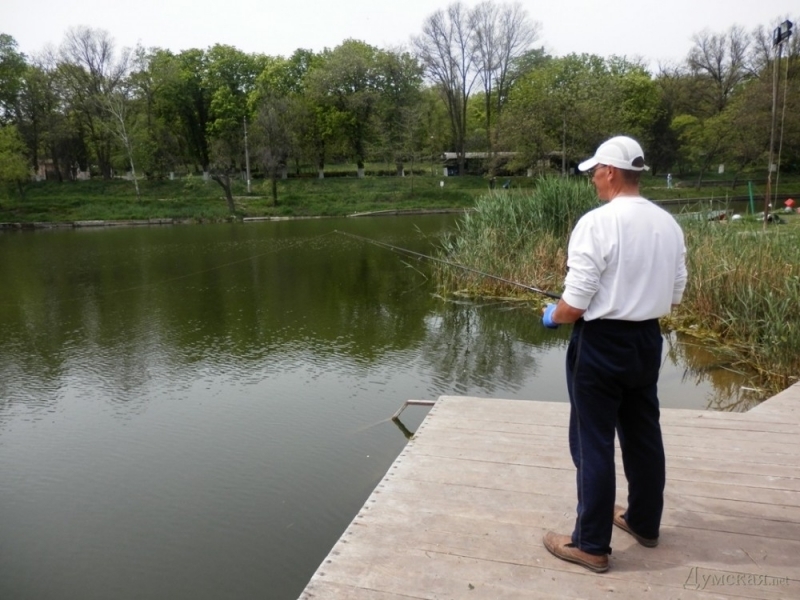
<point x="779" y="35"/>
<point x="564" y="147"/>
<point x="768" y="195"/>
<point x="246" y="156"/>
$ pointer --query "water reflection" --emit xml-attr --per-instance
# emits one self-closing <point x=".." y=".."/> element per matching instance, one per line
<point x="199" y="412"/>
<point x="121" y="312"/>
<point x="483" y="349"/>
<point x="729" y="390"/>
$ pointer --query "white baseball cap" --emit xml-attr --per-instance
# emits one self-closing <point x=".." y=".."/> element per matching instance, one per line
<point x="621" y="152"/>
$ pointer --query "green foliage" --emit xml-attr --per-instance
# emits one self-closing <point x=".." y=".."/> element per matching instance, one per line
<point x="703" y="141"/>
<point x="573" y="103"/>
<point x="186" y="111"/>
<point x="744" y="291"/>
<point x="347" y="81"/>
<point x="230" y="78"/>
<point x="744" y="280"/>
<point x="14" y="168"/>
<point x="12" y="68"/>
<point x="518" y="235"/>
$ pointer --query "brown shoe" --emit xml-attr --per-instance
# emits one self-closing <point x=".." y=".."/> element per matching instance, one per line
<point x="619" y="521"/>
<point x="562" y="547"/>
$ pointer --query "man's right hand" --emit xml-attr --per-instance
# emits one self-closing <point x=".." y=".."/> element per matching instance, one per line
<point x="547" y="317"/>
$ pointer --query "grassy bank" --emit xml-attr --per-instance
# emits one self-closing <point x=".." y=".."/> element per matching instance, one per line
<point x="191" y="198"/>
<point x="744" y="280"/>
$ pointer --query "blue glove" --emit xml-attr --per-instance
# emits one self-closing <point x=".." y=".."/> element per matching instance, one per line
<point x="547" y="317"/>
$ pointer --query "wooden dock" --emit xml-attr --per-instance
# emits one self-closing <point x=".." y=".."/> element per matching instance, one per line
<point x="462" y="511"/>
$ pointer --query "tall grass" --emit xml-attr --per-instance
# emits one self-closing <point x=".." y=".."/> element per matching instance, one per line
<point x="744" y="293"/>
<point x="519" y="235"/>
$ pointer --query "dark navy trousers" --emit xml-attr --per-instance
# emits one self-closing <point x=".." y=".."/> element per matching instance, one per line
<point x="612" y="377"/>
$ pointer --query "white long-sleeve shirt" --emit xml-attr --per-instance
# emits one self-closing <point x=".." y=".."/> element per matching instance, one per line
<point x="626" y="261"/>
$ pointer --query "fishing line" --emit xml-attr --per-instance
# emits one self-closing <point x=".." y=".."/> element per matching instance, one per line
<point x="449" y="263"/>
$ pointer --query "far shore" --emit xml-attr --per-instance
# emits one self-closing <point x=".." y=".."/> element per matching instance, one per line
<point x="113" y="203"/>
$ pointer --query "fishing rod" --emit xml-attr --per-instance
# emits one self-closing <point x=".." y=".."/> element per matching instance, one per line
<point x="449" y="263"/>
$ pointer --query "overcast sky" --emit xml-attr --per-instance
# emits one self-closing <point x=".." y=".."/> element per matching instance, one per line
<point x="656" y="31"/>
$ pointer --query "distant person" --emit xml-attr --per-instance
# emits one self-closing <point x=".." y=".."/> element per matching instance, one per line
<point x="669" y="181"/>
<point x="626" y="262"/>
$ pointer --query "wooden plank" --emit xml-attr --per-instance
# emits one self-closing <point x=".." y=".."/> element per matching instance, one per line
<point x="714" y="464"/>
<point x="434" y="572"/>
<point x="520" y="508"/>
<point x="516" y="544"/>
<point x="680" y="468"/>
<point x="500" y="410"/>
<point x="754" y="450"/>
<point x="735" y="427"/>
<point x="786" y="404"/>
<point x="522" y="477"/>
<point x="681" y="434"/>
<point x="462" y="511"/>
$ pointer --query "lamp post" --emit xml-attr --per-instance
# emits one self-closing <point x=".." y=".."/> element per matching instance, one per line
<point x="433" y="150"/>
<point x="246" y="156"/>
<point x="779" y="35"/>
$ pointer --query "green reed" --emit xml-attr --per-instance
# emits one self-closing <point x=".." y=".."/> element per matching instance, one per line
<point x="743" y="292"/>
<point x="742" y="295"/>
<point x="519" y="235"/>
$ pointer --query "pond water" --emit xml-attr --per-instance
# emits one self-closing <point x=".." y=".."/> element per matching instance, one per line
<point x="198" y="412"/>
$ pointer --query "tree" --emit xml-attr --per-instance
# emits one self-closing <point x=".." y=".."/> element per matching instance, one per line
<point x="285" y="79"/>
<point x="12" y="69"/>
<point x="721" y="60"/>
<point x="155" y="71"/>
<point x="317" y="125"/>
<point x="676" y="91"/>
<point x="231" y="78"/>
<point x="445" y="50"/>
<point x="347" y="80"/>
<point x="273" y="136"/>
<point x="502" y="34"/>
<point x="565" y="104"/>
<point x="572" y="103"/>
<point x="91" y="72"/>
<point x="399" y="107"/>
<point x="703" y="141"/>
<point x="118" y="104"/>
<point x="635" y="104"/>
<point x="14" y="168"/>
<point x="274" y="100"/>
<point x="34" y="107"/>
<point x="47" y="123"/>
<point x="529" y="124"/>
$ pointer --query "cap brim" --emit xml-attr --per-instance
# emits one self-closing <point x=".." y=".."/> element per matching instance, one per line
<point x="588" y="164"/>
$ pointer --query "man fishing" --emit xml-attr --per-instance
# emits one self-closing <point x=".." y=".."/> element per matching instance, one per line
<point x="626" y="263"/>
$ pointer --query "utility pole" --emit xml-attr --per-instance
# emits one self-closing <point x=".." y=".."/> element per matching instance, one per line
<point x="247" y="156"/>
<point x="564" y="147"/>
<point x="780" y="35"/>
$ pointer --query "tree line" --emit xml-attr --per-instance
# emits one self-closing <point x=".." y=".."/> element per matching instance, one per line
<point x="472" y="80"/>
